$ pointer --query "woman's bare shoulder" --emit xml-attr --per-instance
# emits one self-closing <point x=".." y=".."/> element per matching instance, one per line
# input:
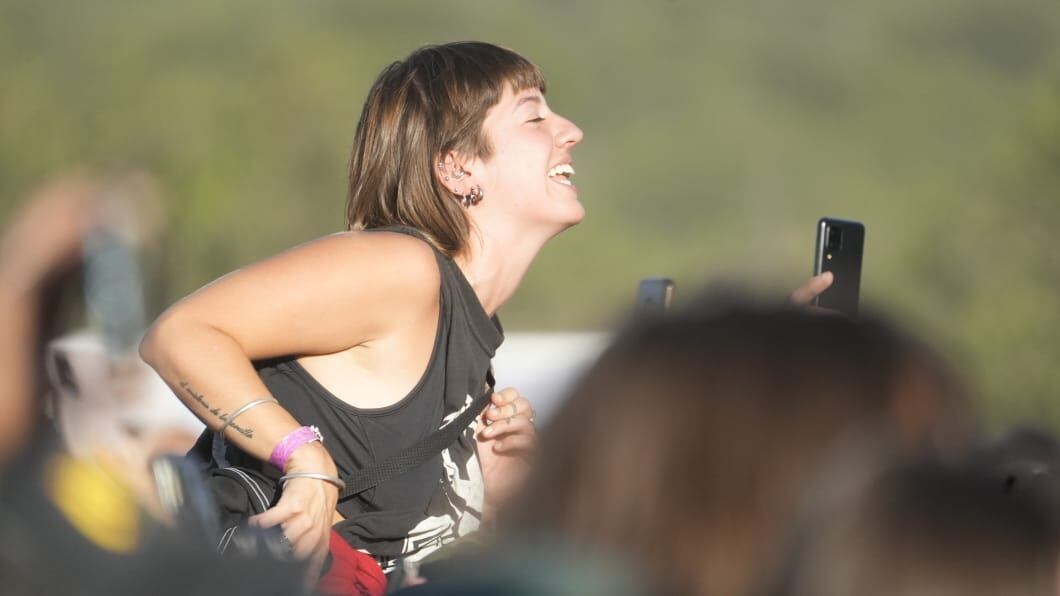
<point x="337" y="291"/>
<point x="391" y="261"/>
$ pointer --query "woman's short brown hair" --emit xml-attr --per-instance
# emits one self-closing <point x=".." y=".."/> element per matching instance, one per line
<point x="432" y="102"/>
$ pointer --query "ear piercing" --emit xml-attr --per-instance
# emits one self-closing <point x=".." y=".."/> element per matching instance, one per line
<point x="457" y="175"/>
<point x="474" y="196"/>
<point x="475" y="193"/>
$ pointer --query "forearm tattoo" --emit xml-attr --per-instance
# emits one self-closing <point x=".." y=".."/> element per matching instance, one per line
<point x="223" y="417"/>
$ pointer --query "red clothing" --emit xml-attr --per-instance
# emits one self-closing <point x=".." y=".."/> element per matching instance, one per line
<point x="351" y="573"/>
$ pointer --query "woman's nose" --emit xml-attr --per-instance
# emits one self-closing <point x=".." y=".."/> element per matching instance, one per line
<point x="568" y="133"/>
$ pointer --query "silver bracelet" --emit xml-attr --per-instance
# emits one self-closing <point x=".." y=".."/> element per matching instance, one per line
<point x="314" y="475"/>
<point x="232" y="417"/>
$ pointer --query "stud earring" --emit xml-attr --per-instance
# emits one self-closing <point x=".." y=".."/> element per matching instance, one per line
<point x="457" y="175"/>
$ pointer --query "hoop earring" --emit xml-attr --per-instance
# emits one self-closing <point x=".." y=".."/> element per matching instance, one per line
<point x="474" y="196"/>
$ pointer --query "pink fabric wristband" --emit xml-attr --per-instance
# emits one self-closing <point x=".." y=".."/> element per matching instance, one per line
<point x="294" y="439"/>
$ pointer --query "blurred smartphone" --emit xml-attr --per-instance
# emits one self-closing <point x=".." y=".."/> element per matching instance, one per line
<point x="839" y="249"/>
<point x="654" y="295"/>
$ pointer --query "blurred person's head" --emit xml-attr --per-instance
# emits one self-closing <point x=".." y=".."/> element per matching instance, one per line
<point x="686" y="445"/>
<point x="453" y="120"/>
<point x="924" y="530"/>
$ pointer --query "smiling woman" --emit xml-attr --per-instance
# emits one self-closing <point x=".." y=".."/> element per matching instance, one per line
<point x="479" y="119"/>
<point x="372" y="339"/>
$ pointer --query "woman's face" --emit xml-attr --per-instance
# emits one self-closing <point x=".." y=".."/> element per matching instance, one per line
<point x="528" y="175"/>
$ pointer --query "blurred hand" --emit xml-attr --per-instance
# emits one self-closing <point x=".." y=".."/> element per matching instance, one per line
<point x="49" y="230"/>
<point x="505" y="442"/>
<point x="805" y="294"/>
<point x="306" y="510"/>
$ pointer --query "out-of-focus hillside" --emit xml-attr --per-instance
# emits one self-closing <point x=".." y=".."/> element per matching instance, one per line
<point x="716" y="135"/>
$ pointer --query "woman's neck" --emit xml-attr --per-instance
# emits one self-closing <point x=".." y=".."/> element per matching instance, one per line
<point x="494" y="264"/>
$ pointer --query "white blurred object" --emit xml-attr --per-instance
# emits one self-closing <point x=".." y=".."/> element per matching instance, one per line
<point x="105" y="403"/>
<point x="544" y="366"/>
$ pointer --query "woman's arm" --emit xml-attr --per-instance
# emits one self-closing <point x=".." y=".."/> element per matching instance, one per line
<point x="319" y="298"/>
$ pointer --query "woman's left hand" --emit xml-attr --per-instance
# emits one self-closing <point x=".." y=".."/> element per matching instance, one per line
<point x="506" y="439"/>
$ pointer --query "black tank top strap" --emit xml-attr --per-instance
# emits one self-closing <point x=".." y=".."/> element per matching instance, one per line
<point x="486" y="329"/>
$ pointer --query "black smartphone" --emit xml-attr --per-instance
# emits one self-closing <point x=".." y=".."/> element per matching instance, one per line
<point x="839" y="248"/>
<point x="654" y="295"/>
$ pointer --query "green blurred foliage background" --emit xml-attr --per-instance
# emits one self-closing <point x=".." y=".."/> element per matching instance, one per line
<point x="716" y="134"/>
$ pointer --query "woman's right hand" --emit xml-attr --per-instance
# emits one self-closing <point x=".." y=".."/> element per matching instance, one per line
<point x="306" y="510"/>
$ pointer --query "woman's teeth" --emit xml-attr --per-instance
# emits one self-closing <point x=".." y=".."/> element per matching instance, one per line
<point x="561" y="174"/>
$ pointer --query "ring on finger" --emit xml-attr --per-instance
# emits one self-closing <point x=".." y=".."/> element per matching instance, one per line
<point x="515" y="409"/>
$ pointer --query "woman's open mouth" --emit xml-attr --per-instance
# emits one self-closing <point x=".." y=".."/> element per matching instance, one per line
<point x="561" y="174"/>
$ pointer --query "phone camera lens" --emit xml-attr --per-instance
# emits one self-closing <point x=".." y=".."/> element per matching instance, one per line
<point x="833" y="238"/>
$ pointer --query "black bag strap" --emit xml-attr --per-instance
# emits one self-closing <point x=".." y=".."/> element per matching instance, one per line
<point x="413" y="456"/>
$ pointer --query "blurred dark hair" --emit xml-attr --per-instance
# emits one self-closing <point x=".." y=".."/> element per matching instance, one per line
<point x="61" y="309"/>
<point x="432" y="102"/>
<point x="1026" y="461"/>
<point x="686" y="444"/>
<point x="925" y="530"/>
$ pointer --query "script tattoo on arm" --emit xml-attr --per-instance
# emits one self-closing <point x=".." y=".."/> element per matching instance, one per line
<point x="198" y="397"/>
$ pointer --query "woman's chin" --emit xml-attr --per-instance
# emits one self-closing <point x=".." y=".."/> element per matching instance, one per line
<point x="566" y="210"/>
<point x="577" y="214"/>
<point x="571" y="216"/>
<point x="554" y="213"/>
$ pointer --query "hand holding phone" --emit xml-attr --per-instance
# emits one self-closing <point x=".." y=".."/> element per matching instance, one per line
<point x="839" y="247"/>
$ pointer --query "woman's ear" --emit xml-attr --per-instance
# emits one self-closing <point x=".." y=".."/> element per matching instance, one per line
<point x="451" y="173"/>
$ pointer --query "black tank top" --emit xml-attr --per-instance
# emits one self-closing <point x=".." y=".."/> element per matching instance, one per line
<point x="414" y="514"/>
